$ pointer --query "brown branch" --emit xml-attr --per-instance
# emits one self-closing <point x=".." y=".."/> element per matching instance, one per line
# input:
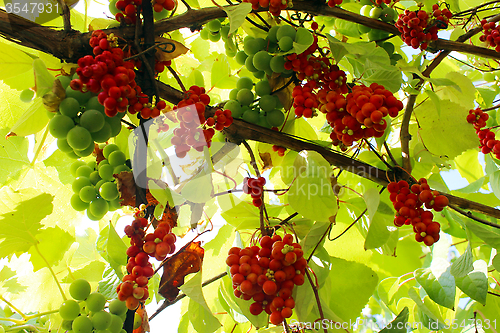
<point x="66" y="15"/>
<point x="405" y="136"/>
<point x="472" y="217"/>
<point x="316" y="295"/>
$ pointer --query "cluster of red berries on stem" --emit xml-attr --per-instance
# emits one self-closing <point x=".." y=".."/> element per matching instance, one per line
<point x="275" y="6"/>
<point x="128" y="9"/>
<point x="488" y="143"/>
<point x="160" y="243"/>
<point x="280" y="150"/>
<point x="333" y="3"/>
<point x="408" y="202"/>
<point x="254" y="187"/>
<point x="418" y="28"/>
<point x="160" y="5"/>
<point x="360" y="114"/>
<point x="491" y="34"/>
<point x="268" y="274"/>
<point x="112" y="78"/>
<point x="304" y="99"/>
<point x="195" y="131"/>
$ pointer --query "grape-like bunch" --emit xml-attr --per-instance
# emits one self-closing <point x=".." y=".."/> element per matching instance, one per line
<point x="418" y="28"/>
<point x="408" y="202"/>
<point x="491" y="34"/>
<point x="158" y="244"/>
<point x="274" y="6"/>
<point x="214" y="31"/>
<point x="244" y="103"/>
<point x="80" y="122"/>
<point x="113" y="79"/>
<point x="268" y="274"/>
<point x="254" y="187"/>
<point x="86" y="312"/>
<point x="488" y="143"/>
<point x="94" y="187"/>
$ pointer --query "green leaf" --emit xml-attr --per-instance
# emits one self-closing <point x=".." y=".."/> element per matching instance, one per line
<point x="311" y="193"/>
<point x="379" y="232"/>
<point x="438" y="282"/>
<point x="496" y="262"/>
<point x="165" y="195"/>
<point x="372" y="200"/>
<point x="237" y="14"/>
<point x="348" y="296"/>
<point x="200" y="315"/>
<point x="463" y="264"/>
<point x="220" y="71"/>
<point x="475" y="283"/>
<point x="488" y="235"/>
<point x="449" y="134"/>
<point x="13" y="61"/>
<point x="116" y="247"/>
<point x="9" y="281"/>
<point x="435" y="99"/>
<point x="91" y="272"/>
<point x="463" y="95"/>
<point x="399" y="321"/>
<point x="32" y="121"/>
<point x="337" y="48"/>
<point x="49" y="253"/>
<point x="444" y="82"/>
<point x="424" y="306"/>
<point x="199" y="189"/>
<point x="20" y="226"/>
<point x="13" y="156"/>
<point x="43" y="79"/>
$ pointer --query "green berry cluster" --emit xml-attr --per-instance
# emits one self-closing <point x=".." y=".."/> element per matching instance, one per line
<point x="255" y="104"/>
<point x="86" y="312"/>
<point x="94" y="187"/>
<point x="80" y="122"/>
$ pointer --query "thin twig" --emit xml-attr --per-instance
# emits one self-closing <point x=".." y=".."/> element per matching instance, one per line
<point x="378" y="155"/>
<point x="157" y="45"/>
<point x="166" y="303"/>
<point x="128" y="123"/>
<point x="187" y="5"/>
<point x="177" y="78"/>
<point x="316" y="295"/>
<point x="263" y="21"/>
<point x="256" y="24"/>
<point x="390" y="154"/>
<point x="494" y="294"/>
<point x="477" y="219"/>
<point x="66" y="15"/>
<point x="350" y="225"/>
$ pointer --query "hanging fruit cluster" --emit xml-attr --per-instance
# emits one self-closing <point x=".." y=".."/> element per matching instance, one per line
<point x="95" y="189"/>
<point x="195" y="131"/>
<point x="491" y="34"/>
<point x="254" y="187"/>
<point x="274" y="6"/>
<point x="268" y="274"/>
<point x="486" y="136"/>
<point x="113" y="79"/>
<point x="158" y="244"/>
<point x="360" y="114"/>
<point x="408" y="202"/>
<point x="418" y="28"/>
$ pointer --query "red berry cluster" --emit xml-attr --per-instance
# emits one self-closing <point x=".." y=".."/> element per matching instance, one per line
<point x="275" y="6"/>
<point x="333" y="3"/>
<point x="254" y="187"/>
<point x="360" y="114"/>
<point x="195" y="131"/>
<point x="280" y="150"/>
<point x="419" y="27"/>
<point x="491" y="34"/>
<point x="158" y="244"/>
<point x="129" y="9"/>
<point x="160" y="5"/>
<point x="408" y="202"/>
<point x="112" y="78"/>
<point x="486" y="136"/>
<point x="268" y="274"/>
<point x="304" y="99"/>
<point x="220" y="120"/>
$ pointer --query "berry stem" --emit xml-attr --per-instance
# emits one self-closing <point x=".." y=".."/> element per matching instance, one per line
<point x="469" y="215"/>
<point x="316" y="295"/>
<point x="35" y="245"/>
<point x="177" y="78"/>
<point x="13" y="307"/>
